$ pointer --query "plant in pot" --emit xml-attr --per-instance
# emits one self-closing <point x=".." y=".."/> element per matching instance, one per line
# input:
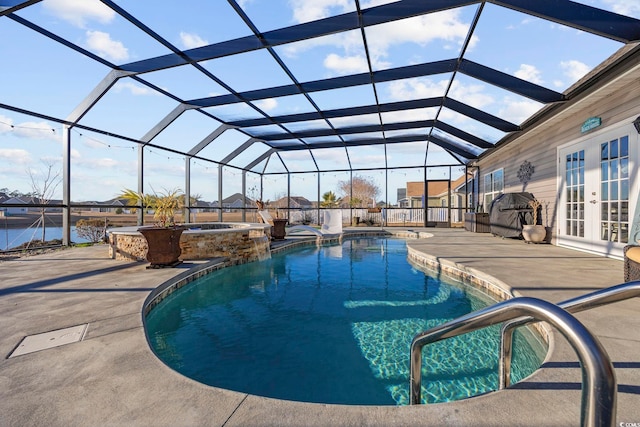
<point x="163" y="238"/>
<point x="534" y="233"/>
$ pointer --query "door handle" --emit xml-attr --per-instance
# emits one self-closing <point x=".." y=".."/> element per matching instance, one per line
<point x="593" y="201"/>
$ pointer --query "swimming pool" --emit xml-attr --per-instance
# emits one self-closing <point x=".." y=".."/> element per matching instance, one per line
<point x="330" y="325"/>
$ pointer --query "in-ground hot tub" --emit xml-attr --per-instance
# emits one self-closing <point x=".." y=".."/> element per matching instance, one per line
<point x="239" y="242"/>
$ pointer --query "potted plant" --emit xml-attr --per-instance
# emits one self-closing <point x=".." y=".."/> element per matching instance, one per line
<point x="163" y="238"/>
<point x="534" y="232"/>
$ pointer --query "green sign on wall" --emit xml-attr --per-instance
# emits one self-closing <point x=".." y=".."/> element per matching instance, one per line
<point x="590" y="123"/>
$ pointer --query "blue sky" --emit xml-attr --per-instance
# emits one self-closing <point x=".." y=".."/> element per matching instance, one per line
<point x="43" y="76"/>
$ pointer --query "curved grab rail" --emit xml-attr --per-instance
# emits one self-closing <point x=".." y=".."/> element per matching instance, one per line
<point x="598" y="404"/>
<point x="575" y="305"/>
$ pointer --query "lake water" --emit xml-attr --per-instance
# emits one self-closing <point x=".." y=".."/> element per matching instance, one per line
<point x="12" y="237"/>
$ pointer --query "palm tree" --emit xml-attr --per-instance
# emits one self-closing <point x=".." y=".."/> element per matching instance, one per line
<point x="329" y="200"/>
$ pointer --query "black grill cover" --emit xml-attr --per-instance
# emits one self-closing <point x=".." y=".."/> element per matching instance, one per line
<point x="509" y="212"/>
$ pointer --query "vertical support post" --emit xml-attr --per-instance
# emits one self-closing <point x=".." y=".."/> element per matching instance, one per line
<point x="318" y="207"/>
<point x="425" y="192"/>
<point x="244" y="196"/>
<point x="386" y="196"/>
<point x="288" y="195"/>
<point x="261" y="187"/>
<point x="187" y="190"/>
<point x="351" y="195"/>
<point x="66" y="186"/>
<point x="140" y="181"/>
<point x="466" y="189"/>
<point x="220" y="166"/>
<point x="449" y="199"/>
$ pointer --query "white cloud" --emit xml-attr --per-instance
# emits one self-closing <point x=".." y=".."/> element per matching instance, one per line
<point x="135" y="89"/>
<point x="346" y="64"/>
<point x="625" y="7"/>
<point x="471" y="94"/>
<point x="310" y="10"/>
<point x="78" y="13"/>
<point x="417" y="88"/>
<point x="98" y="164"/>
<point x="410" y="115"/>
<point x="101" y="43"/>
<point x="267" y="104"/>
<point x="15" y="155"/>
<point x="244" y="3"/>
<point x="6" y="124"/>
<point x="426" y="88"/>
<point x="517" y="111"/>
<point x="575" y="70"/>
<point x="442" y="26"/>
<point x="529" y="73"/>
<point x="191" y="41"/>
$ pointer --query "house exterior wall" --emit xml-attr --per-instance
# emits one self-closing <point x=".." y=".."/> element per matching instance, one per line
<point x="614" y="105"/>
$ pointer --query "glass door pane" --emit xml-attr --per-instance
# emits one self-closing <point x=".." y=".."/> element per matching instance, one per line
<point x="574" y="203"/>
<point x="614" y="184"/>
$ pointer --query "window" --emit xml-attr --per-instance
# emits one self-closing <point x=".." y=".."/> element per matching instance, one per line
<point x="493" y="186"/>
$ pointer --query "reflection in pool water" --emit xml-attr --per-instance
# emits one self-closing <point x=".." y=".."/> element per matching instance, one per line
<point x="330" y="325"/>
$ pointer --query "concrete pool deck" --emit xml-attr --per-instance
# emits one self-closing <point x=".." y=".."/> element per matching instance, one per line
<point x="112" y="378"/>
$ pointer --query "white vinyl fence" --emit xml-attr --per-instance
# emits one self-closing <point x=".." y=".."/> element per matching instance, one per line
<point x="390" y="217"/>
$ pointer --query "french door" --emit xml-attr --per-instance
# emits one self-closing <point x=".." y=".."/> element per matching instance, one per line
<point x="596" y="179"/>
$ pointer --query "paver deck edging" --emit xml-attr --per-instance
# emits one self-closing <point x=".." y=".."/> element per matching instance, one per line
<point x="477" y="279"/>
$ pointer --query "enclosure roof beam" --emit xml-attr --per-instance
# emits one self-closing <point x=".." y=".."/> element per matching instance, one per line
<point x="94" y="96"/>
<point x="420" y="124"/>
<point x="586" y="18"/>
<point x="262" y="157"/>
<point x="10" y="6"/>
<point x="295" y="33"/>
<point x="164" y="123"/>
<point x="208" y="139"/>
<point x="389" y="140"/>
<point x="248" y="143"/>
<point x="452" y="104"/>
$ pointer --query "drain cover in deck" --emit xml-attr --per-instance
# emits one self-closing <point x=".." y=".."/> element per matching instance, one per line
<point x="46" y="340"/>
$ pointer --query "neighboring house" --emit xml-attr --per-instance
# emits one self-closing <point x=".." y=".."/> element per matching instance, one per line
<point x="201" y="206"/>
<point x="403" y="202"/>
<point x="120" y="204"/>
<point x="296" y="202"/>
<point x="27" y="200"/>
<point x="580" y="158"/>
<point x="8" y="211"/>
<point x="440" y="193"/>
<point x="237" y="201"/>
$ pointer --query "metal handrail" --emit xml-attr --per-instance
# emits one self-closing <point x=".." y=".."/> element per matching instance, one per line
<point x="575" y="305"/>
<point x="599" y="394"/>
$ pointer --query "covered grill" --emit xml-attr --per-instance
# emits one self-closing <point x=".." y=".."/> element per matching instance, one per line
<point x="509" y="212"/>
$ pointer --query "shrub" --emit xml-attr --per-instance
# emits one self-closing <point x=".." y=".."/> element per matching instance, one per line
<point x="91" y="229"/>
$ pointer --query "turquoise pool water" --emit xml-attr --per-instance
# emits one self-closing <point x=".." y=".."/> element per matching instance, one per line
<point x="330" y="325"/>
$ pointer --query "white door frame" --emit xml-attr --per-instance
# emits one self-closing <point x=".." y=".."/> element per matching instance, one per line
<point x="590" y="143"/>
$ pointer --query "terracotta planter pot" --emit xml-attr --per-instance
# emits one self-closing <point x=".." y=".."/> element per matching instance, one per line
<point x="164" y="245"/>
<point x="278" y="232"/>
<point x="534" y="233"/>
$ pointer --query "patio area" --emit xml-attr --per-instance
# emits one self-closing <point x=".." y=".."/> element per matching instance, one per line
<point x="111" y="377"/>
